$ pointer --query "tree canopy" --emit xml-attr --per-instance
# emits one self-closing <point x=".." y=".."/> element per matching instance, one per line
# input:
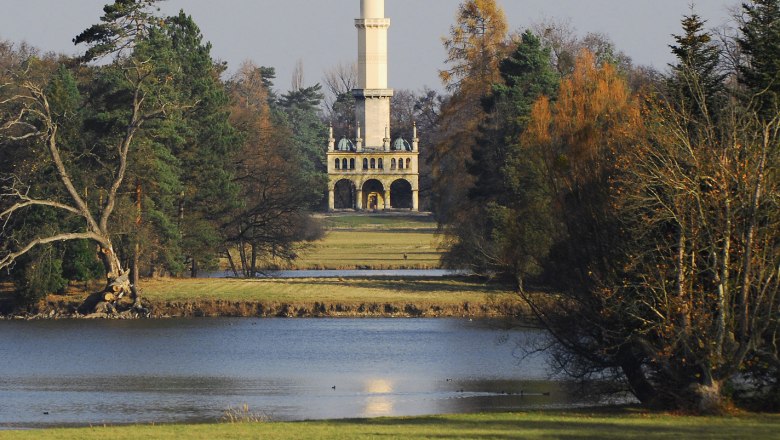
<point x="135" y="147"/>
<point x="648" y="205"/>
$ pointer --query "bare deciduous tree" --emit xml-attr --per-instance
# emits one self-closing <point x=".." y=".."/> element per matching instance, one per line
<point x="297" y="82"/>
<point x="34" y="120"/>
<point x="340" y="80"/>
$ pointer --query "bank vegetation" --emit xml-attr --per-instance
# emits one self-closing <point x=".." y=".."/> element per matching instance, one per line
<point x="650" y="201"/>
<point x="295" y="297"/>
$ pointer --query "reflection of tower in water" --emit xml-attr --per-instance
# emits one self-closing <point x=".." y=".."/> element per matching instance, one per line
<point x="379" y="401"/>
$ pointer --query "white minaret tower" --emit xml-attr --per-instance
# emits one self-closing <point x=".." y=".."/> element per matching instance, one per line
<point x="373" y="173"/>
<point x="373" y="97"/>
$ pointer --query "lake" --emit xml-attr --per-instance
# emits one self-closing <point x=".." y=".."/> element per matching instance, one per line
<point x="78" y="372"/>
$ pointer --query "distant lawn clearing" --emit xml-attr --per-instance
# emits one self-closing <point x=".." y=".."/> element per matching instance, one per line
<point x="372" y="250"/>
<point x="381" y="241"/>
<point x="534" y="425"/>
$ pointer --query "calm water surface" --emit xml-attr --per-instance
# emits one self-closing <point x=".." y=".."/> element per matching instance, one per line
<point x="93" y="372"/>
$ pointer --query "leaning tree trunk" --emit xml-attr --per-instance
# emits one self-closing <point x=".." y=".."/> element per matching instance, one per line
<point x="117" y="280"/>
<point x="708" y="398"/>
<point x="118" y="285"/>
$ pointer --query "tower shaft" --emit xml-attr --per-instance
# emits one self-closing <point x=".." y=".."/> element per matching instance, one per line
<point x="373" y="96"/>
<point x="383" y="175"/>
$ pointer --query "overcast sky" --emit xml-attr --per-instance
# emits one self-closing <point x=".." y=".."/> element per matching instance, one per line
<point x="321" y="33"/>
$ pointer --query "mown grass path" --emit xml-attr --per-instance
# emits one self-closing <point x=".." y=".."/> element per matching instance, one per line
<point x="389" y="241"/>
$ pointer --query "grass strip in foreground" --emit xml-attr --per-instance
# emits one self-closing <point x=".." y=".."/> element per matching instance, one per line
<point x="533" y="425"/>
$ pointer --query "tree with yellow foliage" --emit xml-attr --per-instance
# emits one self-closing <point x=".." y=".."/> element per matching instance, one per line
<point x="476" y="44"/>
<point x="667" y="257"/>
<point x="580" y="140"/>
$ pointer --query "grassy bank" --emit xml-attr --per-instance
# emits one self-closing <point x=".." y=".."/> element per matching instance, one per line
<point x="390" y="241"/>
<point x="384" y="296"/>
<point x="533" y="425"/>
<point x="444" y="291"/>
<point x="304" y="297"/>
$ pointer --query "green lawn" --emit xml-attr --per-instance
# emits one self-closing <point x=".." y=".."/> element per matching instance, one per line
<point x="369" y="241"/>
<point x="306" y="297"/>
<point x="378" y="241"/>
<point x="372" y="249"/>
<point x="533" y="425"/>
<point x="441" y="291"/>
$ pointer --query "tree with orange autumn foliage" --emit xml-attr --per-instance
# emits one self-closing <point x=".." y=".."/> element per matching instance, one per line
<point x="655" y="219"/>
<point x="476" y="42"/>
<point x="476" y="45"/>
<point x="668" y="254"/>
<point x="580" y="139"/>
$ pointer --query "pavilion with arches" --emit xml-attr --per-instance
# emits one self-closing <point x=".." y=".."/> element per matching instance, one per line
<point x="375" y="173"/>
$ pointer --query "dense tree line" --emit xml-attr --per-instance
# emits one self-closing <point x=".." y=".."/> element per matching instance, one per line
<point x="138" y="152"/>
<point x="647" y="202"/>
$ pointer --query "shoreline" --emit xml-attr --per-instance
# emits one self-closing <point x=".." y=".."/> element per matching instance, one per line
<point x="258" y="309"/>
<point x="368" y="297"/>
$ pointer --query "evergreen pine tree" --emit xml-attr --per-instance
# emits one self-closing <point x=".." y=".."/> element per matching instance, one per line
<point x="760" y="45"/>
<point x="483" y="237"/>
<point x="695" y="83"/>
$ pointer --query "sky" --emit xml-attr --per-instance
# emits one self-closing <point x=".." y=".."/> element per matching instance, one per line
<point x="321" y="33"/>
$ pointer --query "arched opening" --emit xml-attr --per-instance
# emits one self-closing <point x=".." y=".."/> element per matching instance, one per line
<point x="365" y="164"/>
<point x="338" y="164"/>
<point x="408" y="163"/>
<point x="401" y="194"/>
<point x="344" y="195"/>
<point x="400" y="164"/>
<point x="373" y="195"/>
<point x="352" y="164"/>
<point x="380" y="164"/>
<point x="344" y="164"/>
<point x="373" y="163"/>
<point x="392" y="164"/>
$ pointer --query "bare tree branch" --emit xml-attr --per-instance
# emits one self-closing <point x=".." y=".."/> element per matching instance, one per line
<point x="8" y="259"/>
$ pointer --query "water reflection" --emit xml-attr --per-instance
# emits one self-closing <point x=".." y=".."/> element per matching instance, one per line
<point x="379" y="386"/>
<point x="379" y="402"/>
<point x="378" y="406"/>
